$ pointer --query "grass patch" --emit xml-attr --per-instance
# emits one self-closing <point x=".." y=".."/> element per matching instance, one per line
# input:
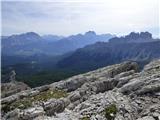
<point x="27" y="102"/>
<point x="110" y="112"/>
<point x="44" y="96"/>
<point x="85" y="118"/>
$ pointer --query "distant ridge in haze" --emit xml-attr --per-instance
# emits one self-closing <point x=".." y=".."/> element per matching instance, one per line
<point x="140" y="47"/>
<point x="52" y="38"/>
<point x="31" y="43"/>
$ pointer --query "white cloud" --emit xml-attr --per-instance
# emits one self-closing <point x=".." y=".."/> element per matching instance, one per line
<point x="69" y="17"/>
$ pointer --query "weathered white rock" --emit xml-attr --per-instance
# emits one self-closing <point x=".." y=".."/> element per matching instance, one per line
<point x="149" y="89"/>
<point x="74" y="96"/>
<point x="13" y="86"/>
<point x="31" y="113"/>
<point x="146" y="118"/>
<point x="125" y="74"/>
<point x="54" y="106"/>
<point x="103" y="85"/>
<point x="135" y="95"/>
<point x="124" y="80"/>
<point x="9" y="99"/>
<point x="42" y="88"/>
<point x="13" y="115"/>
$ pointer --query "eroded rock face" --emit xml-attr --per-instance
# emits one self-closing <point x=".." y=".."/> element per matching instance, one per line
<point x="147" y="82"/>
<point x="27" y="114"/>
<point x="55" y="106"/>
<point x="135" y="95"/>
<point x="31" y="113"/>
<point x="76" y="82"/>
<point x="12" y="88"/>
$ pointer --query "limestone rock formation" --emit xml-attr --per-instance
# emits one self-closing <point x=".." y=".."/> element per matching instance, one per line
<point x="117" y="92"/>
<point x="12" y="86"/>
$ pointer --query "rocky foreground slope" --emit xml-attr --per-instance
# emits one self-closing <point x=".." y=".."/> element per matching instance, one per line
<point x="117" y="92"/>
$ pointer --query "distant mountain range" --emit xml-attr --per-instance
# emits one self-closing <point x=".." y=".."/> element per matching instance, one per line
<point x="140" y="47"/>
<point x="31" y="43"/>
<point x="23" y="44"/>
<point x="40" y="60"/>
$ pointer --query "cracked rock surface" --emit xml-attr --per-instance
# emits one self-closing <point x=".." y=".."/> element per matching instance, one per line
<point x="135" y="95"/>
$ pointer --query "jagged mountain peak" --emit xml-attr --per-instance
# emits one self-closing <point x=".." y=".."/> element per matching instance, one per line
<point x="24" y="35"/>
<point x="134" y="37"/>
<point x="144" y="35"/>
<point x="31" y="34"/>
<point x="90" y="33"/>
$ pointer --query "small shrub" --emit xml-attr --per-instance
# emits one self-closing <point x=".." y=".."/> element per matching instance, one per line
<point x="21" y="104"/>
<point x="110" y="112"/>
<point x="85" y="118"/>
<point x="44" y="96"/>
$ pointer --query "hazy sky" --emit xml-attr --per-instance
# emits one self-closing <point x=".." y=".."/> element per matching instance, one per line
<point x="66" y="17"/>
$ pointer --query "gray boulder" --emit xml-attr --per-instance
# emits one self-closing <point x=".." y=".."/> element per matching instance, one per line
<point x="31" y="113"/>
<point x="74" y="96"/>
<point x="146" y="118"/>
<point x="103" y="85"/>
<point x="54" y="106"/>
<point x="13" y="115"/>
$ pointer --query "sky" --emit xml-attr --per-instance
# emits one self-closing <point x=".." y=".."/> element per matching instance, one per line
<point x="66" y="17"/>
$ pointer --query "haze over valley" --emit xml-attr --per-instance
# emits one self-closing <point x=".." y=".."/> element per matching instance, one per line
<point x="40" y="60"/>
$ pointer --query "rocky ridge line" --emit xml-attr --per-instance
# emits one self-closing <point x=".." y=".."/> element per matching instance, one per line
<point x="135" y="94"/>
